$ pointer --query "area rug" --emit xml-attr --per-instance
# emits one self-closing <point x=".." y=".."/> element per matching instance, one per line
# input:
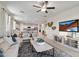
<point x="25" y="50"/>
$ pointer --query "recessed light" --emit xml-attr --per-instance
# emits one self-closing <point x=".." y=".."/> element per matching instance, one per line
<point x="45" y="16"/>
<point x="21" y="11"/>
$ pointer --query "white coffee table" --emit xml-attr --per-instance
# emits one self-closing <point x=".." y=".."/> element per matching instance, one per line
<point x="40" y="48"/>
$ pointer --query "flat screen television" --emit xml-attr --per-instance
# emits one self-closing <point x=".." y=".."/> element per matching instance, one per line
<point x="69" y="26"/>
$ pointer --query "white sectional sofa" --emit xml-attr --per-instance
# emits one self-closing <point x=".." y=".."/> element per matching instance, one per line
<point x="8" y="50"/>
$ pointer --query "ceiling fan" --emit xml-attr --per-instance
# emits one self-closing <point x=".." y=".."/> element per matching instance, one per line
<point x="43" y="6"/>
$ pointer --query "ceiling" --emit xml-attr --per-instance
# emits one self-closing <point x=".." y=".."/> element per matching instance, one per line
<point x="30" y="15"/>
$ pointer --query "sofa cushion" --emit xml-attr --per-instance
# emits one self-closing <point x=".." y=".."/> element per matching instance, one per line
<point x="9" y="40"/>
<point x="5" y="45"/>
<point x="12" y="51"/>
<point x="1" y="40"/>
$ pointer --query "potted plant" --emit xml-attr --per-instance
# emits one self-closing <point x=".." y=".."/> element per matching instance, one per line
<point x="40" y="41"/>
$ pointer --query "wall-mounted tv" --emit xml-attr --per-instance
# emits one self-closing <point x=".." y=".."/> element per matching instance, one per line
<point x="69" y="26"/>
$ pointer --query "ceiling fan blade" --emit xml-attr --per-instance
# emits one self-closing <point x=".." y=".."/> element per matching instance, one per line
<point x="50" y="7"/>
<point x="38" y="10"/>
<point x="46" y="11"/>
<point x="36" y="6"/>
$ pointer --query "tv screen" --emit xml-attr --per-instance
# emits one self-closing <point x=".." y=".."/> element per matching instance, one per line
<point x="69" y="26"/>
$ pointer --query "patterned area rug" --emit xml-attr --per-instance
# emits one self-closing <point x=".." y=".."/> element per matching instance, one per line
<point x="25" y="50"/>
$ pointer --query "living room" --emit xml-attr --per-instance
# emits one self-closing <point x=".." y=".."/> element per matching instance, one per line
<point x="54" y="27"/>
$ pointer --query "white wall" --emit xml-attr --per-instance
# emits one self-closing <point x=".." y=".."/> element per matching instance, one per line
<point x="5" y="22"/>
<point x="2" y="21"/>
<point x="50" y="32"/>
<point x="70" y="14"/>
